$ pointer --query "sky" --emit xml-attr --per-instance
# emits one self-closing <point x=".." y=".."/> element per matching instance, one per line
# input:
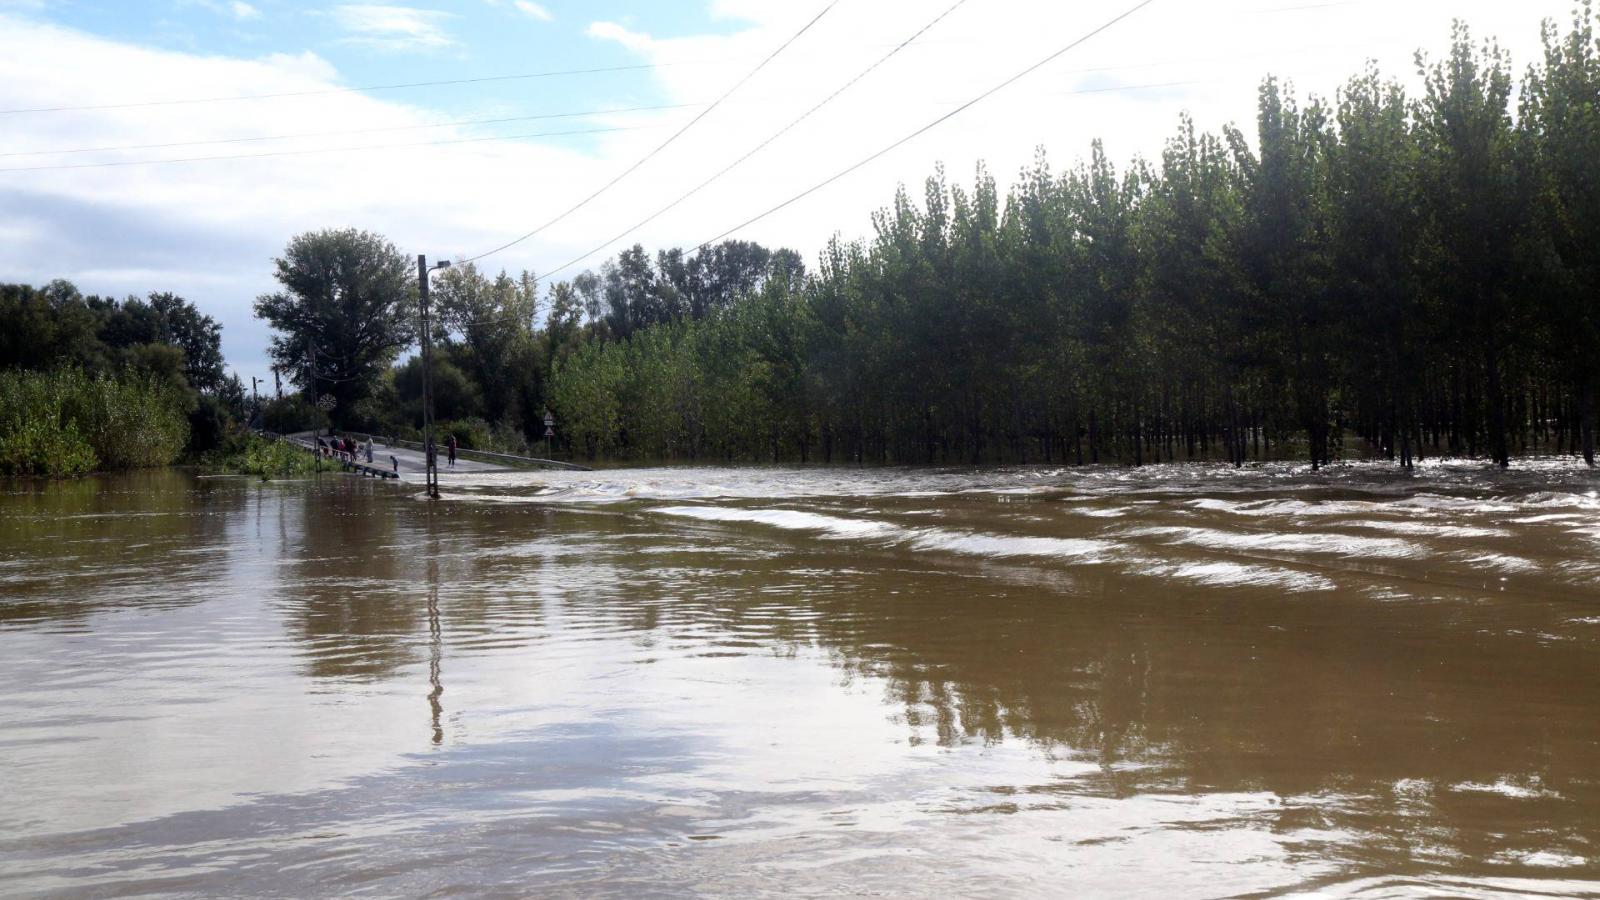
<point x="138" y="153"/>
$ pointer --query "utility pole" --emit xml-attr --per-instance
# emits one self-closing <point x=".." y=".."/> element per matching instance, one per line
<point x="277" y="382"/>
<point x="428" y="450"/>
<point x="255" y="399"/>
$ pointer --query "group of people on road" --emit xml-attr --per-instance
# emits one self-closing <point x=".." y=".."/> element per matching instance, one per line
<point x="347" y="449"/>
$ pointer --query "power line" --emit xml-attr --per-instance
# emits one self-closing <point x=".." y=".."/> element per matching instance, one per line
<point x="764" y="144"/>
<point x="1082" y="91"/>
<point x="664" y="144"/>
<point x="935" y="123"/>
<point x="348" y="90"/>
<point x="318" y="150"/>
<point x="346" y="132"/>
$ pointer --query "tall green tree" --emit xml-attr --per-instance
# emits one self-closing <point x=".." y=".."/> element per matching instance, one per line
<point x="345" y="312"/>
<point x="1561" y="123"/>
<point x="1474" y="214"/>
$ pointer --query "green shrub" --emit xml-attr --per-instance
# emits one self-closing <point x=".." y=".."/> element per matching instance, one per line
<point x="210" y="424"/>
<point x="251" y="454"/>
<point x="64" y="423"/>
<point x="268" y="458"/>
<point x="471" y="434"/>
<point x="132" y="422"/>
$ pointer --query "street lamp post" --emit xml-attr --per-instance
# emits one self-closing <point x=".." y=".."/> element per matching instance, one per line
<point x="429" y="455"/>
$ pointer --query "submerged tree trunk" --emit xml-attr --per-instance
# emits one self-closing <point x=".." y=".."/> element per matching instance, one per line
<point x="1497" y="413"/>
<point x="1588" y="417"/>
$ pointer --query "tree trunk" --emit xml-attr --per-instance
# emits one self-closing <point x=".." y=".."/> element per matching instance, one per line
<point x="1588" y="415"/>
<point x="1497" y="413"/>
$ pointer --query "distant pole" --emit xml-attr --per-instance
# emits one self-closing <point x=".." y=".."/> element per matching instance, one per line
<point x="255" y="398"/>
<point x="277" y="383"/>
<point x="431" y="460"/>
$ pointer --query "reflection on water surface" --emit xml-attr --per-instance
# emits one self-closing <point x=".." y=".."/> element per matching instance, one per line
<point x="1177" y="681"/>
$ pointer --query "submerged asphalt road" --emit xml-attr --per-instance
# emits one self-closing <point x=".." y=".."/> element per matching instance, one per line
<point x="410" y="462"/>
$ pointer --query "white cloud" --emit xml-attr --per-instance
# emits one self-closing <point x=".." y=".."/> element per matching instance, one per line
<point x="611" y="31"/>
<point x="392" y="27"/>
<point x="533" y="9"/>
<point x="209" y="229"/>
<point x="237" y="9"/>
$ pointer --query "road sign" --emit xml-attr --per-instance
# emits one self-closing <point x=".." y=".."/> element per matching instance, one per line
<point x="549" y="432"/>
<point x="549" y="420"/>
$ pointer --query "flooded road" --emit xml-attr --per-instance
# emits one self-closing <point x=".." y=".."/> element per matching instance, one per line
<point x="1029" y="682"/>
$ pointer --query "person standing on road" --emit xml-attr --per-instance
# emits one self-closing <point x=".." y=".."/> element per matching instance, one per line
<point x="452" y="446"/>
<point x="369" y="451"/>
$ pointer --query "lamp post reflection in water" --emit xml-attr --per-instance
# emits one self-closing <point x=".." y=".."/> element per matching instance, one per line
<point x="435" y="652"/>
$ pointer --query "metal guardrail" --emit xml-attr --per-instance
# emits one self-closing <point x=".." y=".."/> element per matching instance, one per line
<point x="462" y="451"/>
<point x="520" y="460"/>
<point x="338" y="459"/>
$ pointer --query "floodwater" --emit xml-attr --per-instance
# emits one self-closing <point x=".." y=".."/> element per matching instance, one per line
<point x="1169" y="682"/>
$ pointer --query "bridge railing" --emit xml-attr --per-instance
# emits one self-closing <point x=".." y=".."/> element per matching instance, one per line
<point x="488" y="455"/>
<point x="492" y="456"/>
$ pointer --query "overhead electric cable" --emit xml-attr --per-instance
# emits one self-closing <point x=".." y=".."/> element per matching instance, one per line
<point x="318" y="150"/>
<point x="664" y="144"/>
<point x="763" y="145"/>
<point x="935" y="123"/>
<point x="349" y="131"/>
<point x="1118" y="88"/>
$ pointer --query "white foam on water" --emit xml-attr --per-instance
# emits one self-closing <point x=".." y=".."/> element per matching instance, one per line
<point x="1229" y="574"/>
<point x="1413" y="788"/>
<point x="1427" y="529"/>
<point x="1275" y="507"/>
<point x="996" y="545"/>
<point x="1591" y="532"/>
<point x="1503" y="563"/>
<point x="788" y="519"/>
<point x="1543" y="859"/>
<point x="1114" y="512"/>
<point x="1305" y="542"/>
<point x="965" y="543"/>
<point x="1505" y="788"/>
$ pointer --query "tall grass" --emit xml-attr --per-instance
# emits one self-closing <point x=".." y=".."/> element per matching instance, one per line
<point x="64" y="423"/>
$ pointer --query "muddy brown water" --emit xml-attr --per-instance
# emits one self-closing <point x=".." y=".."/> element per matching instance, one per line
<point x="1170" y="682"/>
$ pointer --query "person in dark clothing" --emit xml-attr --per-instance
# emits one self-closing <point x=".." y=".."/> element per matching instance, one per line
<point x="452" y="446"/>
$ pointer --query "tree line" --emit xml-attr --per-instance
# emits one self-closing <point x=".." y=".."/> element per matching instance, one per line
<point x="1383" y="273"/>
<point x="91" y="382"/>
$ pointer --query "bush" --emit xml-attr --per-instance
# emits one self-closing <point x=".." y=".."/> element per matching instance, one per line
<point x="210" y="424"/>
<point x="292" y="414"/>
<point x="132" y="422"/>
<point x="63" y="423"/>
<point x="267" y="458"/>
<point x="471" y="434"/>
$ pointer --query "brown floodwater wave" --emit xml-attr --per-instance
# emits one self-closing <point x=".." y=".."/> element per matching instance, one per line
<point x="1171" y="681"/>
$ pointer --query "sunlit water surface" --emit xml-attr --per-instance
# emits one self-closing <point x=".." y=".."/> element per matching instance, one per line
<point x="1166" y="682"/>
